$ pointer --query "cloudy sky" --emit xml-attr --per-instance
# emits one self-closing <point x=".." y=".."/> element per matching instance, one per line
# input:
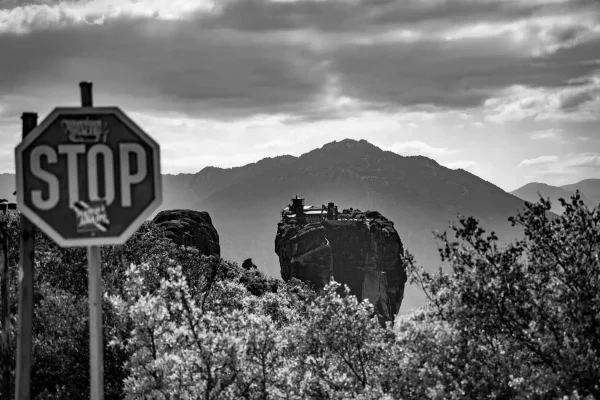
<point x="506" y="89"/>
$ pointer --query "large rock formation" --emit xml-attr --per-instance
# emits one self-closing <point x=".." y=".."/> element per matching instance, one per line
<point x="361" y="250"/>
<point x="190" y="228"/>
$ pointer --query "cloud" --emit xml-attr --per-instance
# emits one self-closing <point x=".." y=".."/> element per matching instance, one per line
<point x="455" y="74"/>
<point x="570" y="103"/>
<point x="583" y="160"/>
<point x="547" y="134"/>
<point x="29" y="16"/>
<point x="566" y="168"/>
<point x="416" y="116"/>
<point x="542" y="160"/>
<point x="307" y="59"/>
<point x="197" y="72"/>
<point x="369" y="15"/>
<point x="416" y="147"/>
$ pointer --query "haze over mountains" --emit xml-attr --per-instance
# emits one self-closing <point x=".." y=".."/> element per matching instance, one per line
<point x="416" y="193"/>
<point x="589" y="190"/>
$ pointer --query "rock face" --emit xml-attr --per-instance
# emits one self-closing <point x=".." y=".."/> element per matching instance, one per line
<point x="190" y="228"/>
<point x="361" y="250"/>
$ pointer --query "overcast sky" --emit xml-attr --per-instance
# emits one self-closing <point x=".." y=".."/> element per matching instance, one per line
<point x="506" y="89"/>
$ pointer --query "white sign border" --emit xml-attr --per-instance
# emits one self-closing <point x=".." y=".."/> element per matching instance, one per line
<point x="91" y="241"/>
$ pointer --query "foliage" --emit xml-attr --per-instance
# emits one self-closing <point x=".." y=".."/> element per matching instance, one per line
<point x="187" y="348"/>
<point x="522" y="320"/>
<point x="61" y="346"/>
<point x="235" y="345"/>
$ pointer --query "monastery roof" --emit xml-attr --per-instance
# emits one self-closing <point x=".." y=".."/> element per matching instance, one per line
<point x="307" y="208"/>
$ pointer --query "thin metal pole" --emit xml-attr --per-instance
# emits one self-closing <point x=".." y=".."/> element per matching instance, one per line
<point x="96" y="345"/>
<point x="4" y="288"/>
<point x="86" y="94"/>
<point x="94" y="294"/>
<point x="24" y="333"/>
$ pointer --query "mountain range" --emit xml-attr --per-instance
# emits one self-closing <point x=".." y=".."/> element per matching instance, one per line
<point x="589" y="191"/>
<point x="416" y="193"/>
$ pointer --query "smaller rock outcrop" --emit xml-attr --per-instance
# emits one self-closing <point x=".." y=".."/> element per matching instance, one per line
<point x="190" y="228"/>
<point x="249" y="265"/>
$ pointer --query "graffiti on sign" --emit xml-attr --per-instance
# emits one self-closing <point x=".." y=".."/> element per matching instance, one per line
<point x="91" y="216"/>
<point x="85" y="130"/>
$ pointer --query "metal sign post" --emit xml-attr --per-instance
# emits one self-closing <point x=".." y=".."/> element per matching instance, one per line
<point x="96" y="345"/>
<point x="94" y="295"/>
<point x="5" y="318"/>
<point x="88" y="176"/>
<point x="25" y="319"/>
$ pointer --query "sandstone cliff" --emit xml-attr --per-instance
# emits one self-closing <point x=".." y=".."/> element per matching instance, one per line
<point x="361" y="250"/>
<point x="190" y="228"/>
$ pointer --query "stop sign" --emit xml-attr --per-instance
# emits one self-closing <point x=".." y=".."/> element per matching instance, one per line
<point x="88" y="176"/>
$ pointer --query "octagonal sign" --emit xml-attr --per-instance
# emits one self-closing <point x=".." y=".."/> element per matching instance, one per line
<point x="88" y="176"/>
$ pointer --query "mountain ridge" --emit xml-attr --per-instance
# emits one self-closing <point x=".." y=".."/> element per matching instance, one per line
<point x="532" y="191"/>
<point x="417" y="194"/>
<point x="591" y="187"/>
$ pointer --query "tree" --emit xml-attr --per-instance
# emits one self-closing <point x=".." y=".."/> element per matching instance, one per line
<point x="226" y="343"/>
<point x="519" y="321"/>
<point x="523" y="319"/>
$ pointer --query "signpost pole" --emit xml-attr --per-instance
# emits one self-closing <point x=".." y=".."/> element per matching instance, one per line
<point x="95" y="294"/>
<point x="86" y="94"/>
<point x="23" y="382"/>
<point x="96" y="348"/>
<point x="4" y="287"/>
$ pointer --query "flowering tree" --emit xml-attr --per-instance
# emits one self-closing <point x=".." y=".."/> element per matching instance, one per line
<point x="190" y="347"/>
<point x="338" y="349"/>
<point x="524" y="319"/>
<point x="230" y="344"/>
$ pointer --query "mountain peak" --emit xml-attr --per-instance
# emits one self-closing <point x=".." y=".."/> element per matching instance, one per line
<point x="349" y="144"/>
<point x="533" y="185"/>
<point x="531" y="192"/>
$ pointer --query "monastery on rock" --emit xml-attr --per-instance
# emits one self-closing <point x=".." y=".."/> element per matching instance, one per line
<point x="307" y="214"/>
